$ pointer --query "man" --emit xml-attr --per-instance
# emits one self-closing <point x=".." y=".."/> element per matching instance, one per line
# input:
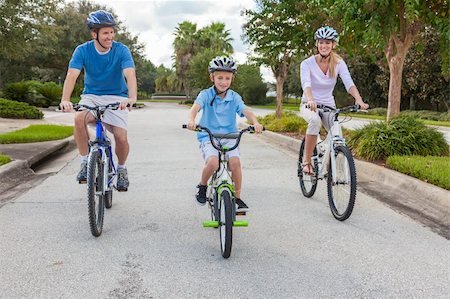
<point x="109" y="77"/>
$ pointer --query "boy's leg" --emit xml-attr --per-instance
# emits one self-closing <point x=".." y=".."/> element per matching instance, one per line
<point x="234" y="163"/>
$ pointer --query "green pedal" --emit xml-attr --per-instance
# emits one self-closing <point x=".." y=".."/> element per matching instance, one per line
<point x="240" y="223"/>
<point x="210" y="223"/>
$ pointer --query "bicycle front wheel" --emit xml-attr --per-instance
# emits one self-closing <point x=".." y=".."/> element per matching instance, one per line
<point x="341" y="185"/>
<point x="308" y="183"/>
<point x="225" y="222"/>
<point x="96" y="204"/>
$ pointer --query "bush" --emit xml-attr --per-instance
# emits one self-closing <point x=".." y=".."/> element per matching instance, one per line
<point x="377" y="111"/>
<point x="403" y="135"/>
<point x="13" y="109"/>
<point x="427" y="114"/>
<point x="50" y="92"/>
<point x="289" y="122"/>
<point x="19" y="91"/>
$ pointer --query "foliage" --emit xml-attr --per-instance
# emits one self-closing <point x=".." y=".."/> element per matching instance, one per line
<point x="403" y="135"/>
<point x="50" y="92"/>
<point x="431" y="169"/>
<point x="289" y="122"/>
<point x="4" y="159"/>
<point x="36" y="133"/>
<point x="248" y="83"/>
<point x="13" y="109"/>
<point x="280" y="32"/>
<point x="166" y="81"/>
<point x="19" y="91"/>
<point x="198" y="70"/>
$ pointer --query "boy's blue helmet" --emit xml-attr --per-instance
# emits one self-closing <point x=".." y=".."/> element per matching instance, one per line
<point x="222" y="63"/>
<point x="326" y="32"/>
<point x="99" y="19"/>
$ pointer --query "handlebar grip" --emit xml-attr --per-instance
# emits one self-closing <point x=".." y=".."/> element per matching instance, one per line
<point x="184" y="126"/>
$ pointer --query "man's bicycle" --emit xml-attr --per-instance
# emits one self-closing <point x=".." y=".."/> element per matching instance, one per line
<point x="333" y="161"/>
<point x="100" y="169"/>
<point x="220" y="192"/>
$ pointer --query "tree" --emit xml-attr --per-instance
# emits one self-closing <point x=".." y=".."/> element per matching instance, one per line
<point x="392" y="26"/>
<point x="249" y="84"/>
<point x="280" y="31"/>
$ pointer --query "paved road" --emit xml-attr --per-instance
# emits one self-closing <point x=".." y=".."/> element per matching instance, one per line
<point x="153" y="245"/>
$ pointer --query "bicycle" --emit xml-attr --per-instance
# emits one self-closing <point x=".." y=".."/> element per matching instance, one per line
<point x="220" y="191"/>
<point x="100" y="169"/>
<point x="332" y="160"/>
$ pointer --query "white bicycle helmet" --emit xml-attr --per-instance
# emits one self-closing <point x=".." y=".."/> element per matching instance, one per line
<point x="326" y="32"/>
<point x="222" y="63"/>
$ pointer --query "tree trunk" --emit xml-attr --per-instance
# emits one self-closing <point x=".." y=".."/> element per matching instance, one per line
<point x="395" y="85"/>
<point x="280" y="82"/>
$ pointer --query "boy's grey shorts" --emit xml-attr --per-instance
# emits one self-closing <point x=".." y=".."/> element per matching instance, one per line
<point x="208" y="150"/>
<point x="116" y="118"/>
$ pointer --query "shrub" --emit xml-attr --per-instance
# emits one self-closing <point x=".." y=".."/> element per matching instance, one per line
<point x="403" y="135"/>
<point x="13" y="109"/>
<point x="50" y="92"/>
<point x="289" y="122"/>
<point x="377" y="111"/>
<point x="18" y="91"/>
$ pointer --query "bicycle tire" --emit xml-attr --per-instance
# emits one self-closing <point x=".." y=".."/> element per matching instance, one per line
<point x="308" y="183"/>
<point x="94" y="191"/>
<point x="226" y="222"/>
<point x="342" y="208"/>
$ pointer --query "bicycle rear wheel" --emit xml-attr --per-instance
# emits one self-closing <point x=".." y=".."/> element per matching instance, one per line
<point x="225" y="222"/>
<point x="96" y="204"/>
<point x="308" y="183"/>
<point x="342" y="193"/>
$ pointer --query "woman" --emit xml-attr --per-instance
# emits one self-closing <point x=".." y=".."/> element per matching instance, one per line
<point x="318" y="75"/>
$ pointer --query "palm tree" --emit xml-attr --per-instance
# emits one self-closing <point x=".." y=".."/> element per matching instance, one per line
<point x="216" y="38"/>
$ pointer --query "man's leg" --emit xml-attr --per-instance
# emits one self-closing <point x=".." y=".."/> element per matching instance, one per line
<point x="81" y="138"/>
<point x="122" y="150"/>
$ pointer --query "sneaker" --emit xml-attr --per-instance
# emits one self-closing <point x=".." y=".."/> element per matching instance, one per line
<point x="122" y="180"/>
<point x="201" y="194"/>
<point x="82" y="175"/>
<point x="241" y="206"/>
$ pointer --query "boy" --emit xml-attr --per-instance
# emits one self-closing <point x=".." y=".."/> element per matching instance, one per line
<point x="220" y="105"/>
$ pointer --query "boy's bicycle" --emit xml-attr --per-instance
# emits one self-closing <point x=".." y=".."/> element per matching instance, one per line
<point x="333" y="161"/>
<point x="100" y="169"/>
<point x="220" y="192"/>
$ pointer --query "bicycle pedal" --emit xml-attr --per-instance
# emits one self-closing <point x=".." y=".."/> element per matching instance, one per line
<point x="241" y="213"/>
<point x="82" y="182"/>
<point x="122" y="190"/>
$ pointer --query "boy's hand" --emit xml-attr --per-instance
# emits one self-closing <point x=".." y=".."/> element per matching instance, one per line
<point x="258" y="128"/>
<point x="191" y="125"/>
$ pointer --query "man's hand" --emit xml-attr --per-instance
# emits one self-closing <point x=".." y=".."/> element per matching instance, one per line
<point x="258" y="128"/>
<point x="124" y="103"/>
<point x="191" y="125"/>
<point x="66" y="106"/>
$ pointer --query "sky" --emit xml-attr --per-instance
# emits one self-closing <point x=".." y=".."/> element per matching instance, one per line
<point x="154" y="22"/>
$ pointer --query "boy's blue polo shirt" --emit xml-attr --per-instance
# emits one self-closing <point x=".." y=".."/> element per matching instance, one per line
<point x="221" y="116"/>
<point x="103" y="74"/>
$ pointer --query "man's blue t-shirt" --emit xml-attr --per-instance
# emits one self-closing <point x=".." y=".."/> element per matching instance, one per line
<point x="220" y="117"/>
<point x="103" y="74"/>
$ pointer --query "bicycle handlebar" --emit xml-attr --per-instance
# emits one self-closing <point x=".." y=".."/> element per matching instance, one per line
<point x="113" y="106"/>
<point x="352" y="108"/>
<point x="212" y="136"/>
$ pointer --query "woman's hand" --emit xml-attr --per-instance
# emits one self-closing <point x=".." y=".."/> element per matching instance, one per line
<point x="311" y="104"/>
<point x="362" y="105"/>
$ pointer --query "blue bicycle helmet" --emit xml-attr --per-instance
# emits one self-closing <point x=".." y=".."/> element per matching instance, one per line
<point x="99" y="19"/>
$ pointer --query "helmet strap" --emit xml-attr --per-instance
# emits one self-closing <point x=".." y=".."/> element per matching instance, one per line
<point x="216" y="94"/>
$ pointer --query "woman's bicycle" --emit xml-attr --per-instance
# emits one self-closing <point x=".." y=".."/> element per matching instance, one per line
<point x="220" y="192"/>
<point x="100" y="169"/>
<point x="333" y="161"/>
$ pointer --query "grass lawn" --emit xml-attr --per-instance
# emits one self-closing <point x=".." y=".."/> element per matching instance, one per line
<point x="4" y="159"/>
<point x="431" y="169"/>
<point x="37" y="133"/>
